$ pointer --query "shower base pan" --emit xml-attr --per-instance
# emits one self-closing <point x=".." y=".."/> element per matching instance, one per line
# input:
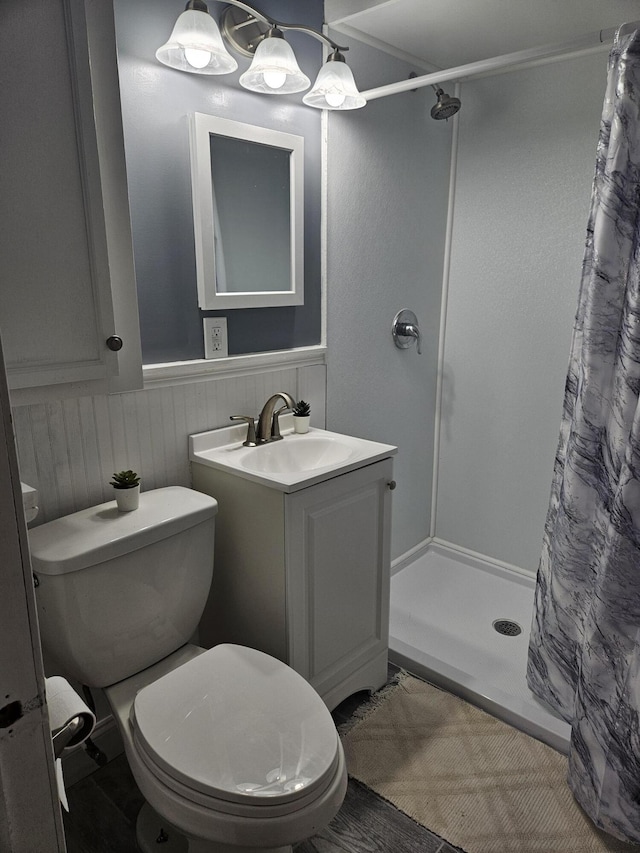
<point x="443" y="609"/>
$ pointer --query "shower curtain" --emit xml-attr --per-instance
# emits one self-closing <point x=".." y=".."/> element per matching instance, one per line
<point x="584" y="654"/>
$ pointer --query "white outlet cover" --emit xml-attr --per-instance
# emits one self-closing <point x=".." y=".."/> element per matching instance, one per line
<point x="216" y="342"/>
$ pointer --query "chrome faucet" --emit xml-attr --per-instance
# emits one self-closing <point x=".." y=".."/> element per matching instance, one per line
<point x="268" y="423"/>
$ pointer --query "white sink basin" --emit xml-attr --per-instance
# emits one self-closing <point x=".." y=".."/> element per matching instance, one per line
<point x="295" y="462"/>
<point x="296" y="453"/>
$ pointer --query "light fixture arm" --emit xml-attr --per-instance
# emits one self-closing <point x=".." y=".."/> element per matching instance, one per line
<point x="311" y="32"/>
<point x="272" y="22"/>
<point x="253" y="11"/>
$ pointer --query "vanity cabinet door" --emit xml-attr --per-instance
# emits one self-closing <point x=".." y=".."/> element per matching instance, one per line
<point x="66" y="262"/>
<point x="337" y="575"/>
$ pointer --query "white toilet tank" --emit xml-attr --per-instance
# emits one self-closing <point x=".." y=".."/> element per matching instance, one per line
<point x="119" y="591"/>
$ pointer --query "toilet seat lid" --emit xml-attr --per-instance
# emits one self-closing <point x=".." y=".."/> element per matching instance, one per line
<point x="237" y="724"/>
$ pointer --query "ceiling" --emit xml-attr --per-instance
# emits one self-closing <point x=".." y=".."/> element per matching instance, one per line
<point x="447" y="33"/>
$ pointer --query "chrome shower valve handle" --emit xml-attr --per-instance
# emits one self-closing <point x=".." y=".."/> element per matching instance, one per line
<point x="405" y="330"/>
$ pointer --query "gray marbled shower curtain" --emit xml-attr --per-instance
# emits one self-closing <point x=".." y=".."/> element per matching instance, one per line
<point x="584" y="655"/>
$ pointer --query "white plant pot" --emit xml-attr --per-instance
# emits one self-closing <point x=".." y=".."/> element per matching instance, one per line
<point x="301" y="423"/>
<point x="128" y="499"/>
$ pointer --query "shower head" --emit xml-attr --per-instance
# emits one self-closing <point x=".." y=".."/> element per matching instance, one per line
<point x="446" y="106"/>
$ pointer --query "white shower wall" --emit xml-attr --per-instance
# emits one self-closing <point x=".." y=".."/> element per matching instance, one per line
<point x="523" y="171"/>
<point x="525" y="162"/>
<point x="388" y="175"/>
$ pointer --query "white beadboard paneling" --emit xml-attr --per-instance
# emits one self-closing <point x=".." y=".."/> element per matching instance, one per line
<point x="169" y="443"/>
<point x="312" y="383"/>
<point x="143" y="429"/>
<point x="132" y="436"/>
<point x="24" y="442"/>
<point x="156" y="437"/>
<point x="61" y="458"/>
<point x="73" y="439"/>
<point x="202" y="405"/>
<point x="180" y="430"/>
<point x="105" y="448"/>
<point x="93" y="471"/>
<point x="68" y="450"/>
<point x="47" y="479"/>
<point x="118" y="433"/>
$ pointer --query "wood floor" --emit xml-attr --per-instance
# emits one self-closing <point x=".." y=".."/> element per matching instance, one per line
<point x="104" y="806"/>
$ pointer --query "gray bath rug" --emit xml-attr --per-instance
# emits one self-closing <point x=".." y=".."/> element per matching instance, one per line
<point x="468" y="777"/>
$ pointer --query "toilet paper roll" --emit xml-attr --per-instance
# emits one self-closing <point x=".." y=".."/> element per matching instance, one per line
<point x="63" y="704"/>
<point x="62" y="793"/>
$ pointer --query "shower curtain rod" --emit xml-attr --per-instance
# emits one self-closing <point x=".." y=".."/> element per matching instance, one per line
<point x="584" y="44"/>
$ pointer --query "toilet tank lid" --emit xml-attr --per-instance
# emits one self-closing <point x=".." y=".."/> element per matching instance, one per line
<point x="101" y="533"/>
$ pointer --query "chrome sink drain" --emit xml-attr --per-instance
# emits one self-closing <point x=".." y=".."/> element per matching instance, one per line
<point x="507" y="627"/>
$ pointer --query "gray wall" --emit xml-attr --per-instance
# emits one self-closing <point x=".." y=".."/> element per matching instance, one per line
<point x="388" y="173"/>
<point x="68" y="449"/>
<point x="525" y="165"/>
<point x="156" y="101"/>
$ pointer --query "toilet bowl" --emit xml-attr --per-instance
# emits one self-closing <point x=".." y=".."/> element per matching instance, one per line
<point x="230" y="747"/>
<point x="258" y="762"/>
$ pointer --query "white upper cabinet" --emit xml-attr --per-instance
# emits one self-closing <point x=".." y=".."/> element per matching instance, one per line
<point x="67" y="283"/>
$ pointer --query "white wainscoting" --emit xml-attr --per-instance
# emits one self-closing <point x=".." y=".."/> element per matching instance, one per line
<point x="68" y="449"/>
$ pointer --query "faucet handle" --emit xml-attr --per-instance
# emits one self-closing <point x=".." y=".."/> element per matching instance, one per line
<point x="275" y="423"/>
<point x="251" y="429"/>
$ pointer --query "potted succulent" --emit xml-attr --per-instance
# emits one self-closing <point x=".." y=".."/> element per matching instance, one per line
<point x="301" y="416"/>
<point x="126" y="485"/>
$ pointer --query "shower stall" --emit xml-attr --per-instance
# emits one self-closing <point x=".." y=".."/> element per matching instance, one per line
<point x="477" y="224"/>
<point x="463" y="624"/>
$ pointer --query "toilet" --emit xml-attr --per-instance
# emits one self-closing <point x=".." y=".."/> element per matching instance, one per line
<point x="233" y="751"/>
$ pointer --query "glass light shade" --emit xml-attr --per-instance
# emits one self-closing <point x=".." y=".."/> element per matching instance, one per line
<point x="195" y="45"/>
<point x="274" y="69"/>
<point x="334" y="89"/>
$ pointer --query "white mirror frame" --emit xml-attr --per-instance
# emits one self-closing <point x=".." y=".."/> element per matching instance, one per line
<point x="202" y="126"/>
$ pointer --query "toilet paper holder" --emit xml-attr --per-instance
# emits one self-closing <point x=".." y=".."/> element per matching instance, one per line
<point x="64" y="736"/>
<point x="70" y="720"/>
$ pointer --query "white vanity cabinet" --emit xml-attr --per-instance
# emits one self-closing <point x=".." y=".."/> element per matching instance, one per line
<point x="66" y="262"/>
<point x="304" y="575"/>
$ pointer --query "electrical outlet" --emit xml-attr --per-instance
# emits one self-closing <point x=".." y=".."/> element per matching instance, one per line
<point x="215" y="337"/>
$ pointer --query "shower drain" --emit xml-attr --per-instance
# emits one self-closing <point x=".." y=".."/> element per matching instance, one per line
<point x="507" y="627"/>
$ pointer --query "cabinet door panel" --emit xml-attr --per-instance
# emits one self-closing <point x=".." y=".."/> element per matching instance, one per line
<point x="343" y="570"/>
<point x="48" y="269"/>
<point x="338" y="574"/>
<point x="58" y="255"/>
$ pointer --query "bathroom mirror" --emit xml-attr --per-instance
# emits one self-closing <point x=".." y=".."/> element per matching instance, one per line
<point x="248" y="202"/>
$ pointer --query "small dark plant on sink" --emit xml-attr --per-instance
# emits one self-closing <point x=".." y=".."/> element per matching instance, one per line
<point x="301" y="409"/>
<point x="301" y="412"/>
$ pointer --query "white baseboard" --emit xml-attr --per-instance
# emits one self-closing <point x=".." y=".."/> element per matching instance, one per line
<point x="456" y="552"/>
<point x="410" y="556"/>
<point x="473" y="557"/>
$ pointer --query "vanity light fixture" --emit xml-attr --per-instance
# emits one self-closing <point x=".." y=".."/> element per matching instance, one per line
<point x="274" y="70"/>
<point x="197" y="45"/>
<point x="335" y="88"/>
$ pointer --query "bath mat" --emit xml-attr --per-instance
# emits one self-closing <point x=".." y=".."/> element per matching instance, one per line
<point x="473" y="780"/>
